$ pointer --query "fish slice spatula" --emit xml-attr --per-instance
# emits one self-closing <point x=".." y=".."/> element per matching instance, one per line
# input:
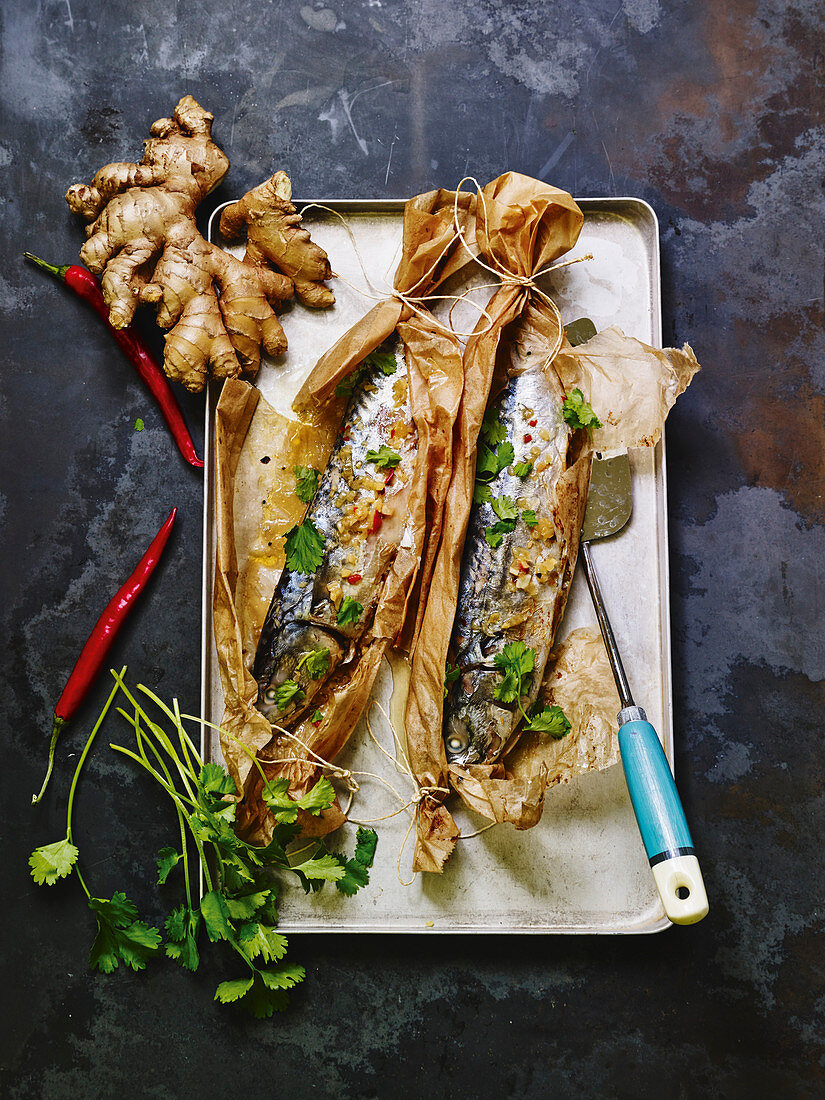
<point x="653" y="793"/>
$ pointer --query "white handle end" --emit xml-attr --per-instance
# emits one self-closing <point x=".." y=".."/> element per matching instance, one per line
<point x="682" y="889"/>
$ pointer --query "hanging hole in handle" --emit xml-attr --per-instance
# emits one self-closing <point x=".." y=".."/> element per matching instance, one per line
<point x="682" y="893"/>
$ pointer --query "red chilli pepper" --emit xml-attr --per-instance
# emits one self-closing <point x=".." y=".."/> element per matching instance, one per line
<point x="527" y="437"/>
<point x="93" y="654"/>
<point x="377" y="520"/>
<point x="354" y="578"/>
<point x="87" y="287"/>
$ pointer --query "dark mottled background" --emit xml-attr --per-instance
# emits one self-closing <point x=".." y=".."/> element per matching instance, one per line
<point x="713" y="113"/>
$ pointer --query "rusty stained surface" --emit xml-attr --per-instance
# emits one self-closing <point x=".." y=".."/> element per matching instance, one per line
<point x="714" y="114"/>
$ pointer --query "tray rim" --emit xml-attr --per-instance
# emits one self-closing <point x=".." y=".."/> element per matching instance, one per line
<point x="594" y="204"/>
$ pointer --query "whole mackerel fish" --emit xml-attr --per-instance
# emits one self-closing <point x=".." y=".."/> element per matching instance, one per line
<point x="515" y="575"/>
<point x="360" y="509"/>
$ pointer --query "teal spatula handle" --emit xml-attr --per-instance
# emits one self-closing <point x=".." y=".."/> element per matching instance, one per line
<point x="661" y="819"/>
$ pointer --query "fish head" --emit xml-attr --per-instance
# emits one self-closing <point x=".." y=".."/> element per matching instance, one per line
<point x="295" y="642"/>
<point x="476" y="725"/>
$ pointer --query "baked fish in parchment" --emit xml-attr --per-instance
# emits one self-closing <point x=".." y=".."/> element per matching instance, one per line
<point x="520" y="549"/>
<point x="351" y="533"/>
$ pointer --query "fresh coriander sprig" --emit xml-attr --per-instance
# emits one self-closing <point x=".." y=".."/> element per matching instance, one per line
<point x="240" y="903"/>
<point x="316" y="662"/>
<point x="304" y="548"/>
<point x="306" y="482"/>
<point x="385" y="458"/>
<point x="578" y="413"/>
<point x="515" y="662"/>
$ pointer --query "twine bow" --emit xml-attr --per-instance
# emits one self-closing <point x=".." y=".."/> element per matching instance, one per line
<point x="503" y="275"/>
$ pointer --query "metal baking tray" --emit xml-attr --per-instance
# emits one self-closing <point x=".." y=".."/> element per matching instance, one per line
<point x="583" y="868"/>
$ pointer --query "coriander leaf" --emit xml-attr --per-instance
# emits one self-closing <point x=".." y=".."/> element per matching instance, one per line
<point x="214" y="780"/>
<point x="53" y="861"/>
<point x="319" y="797"/>
<point x="317" y="663"/>
<point x="504" y="507"/>
<point x="241" y="908"/>
<point x="139" y="425"/>
<point x="216" y="916"/>
<point x="168" y="859"/>
<point x="383" y="361"/>
<point x="276" y="796"/>
<point x="481" y="493"/>
<point x="385" y="458"/>
<point x="514" y="662"/>
<point x="263" y="1003"/>
<point x="350" y="611"/>
<point x="516" y="656"/>
<point x="282" y="977"/>
<point x="120" y="936"/>
<point x="366" y="841"/>
<point x="355" y="876"/>
<point x="451" y="674"/>
<point x="288" y="692"/>
<point x="509" y="689"/>
<point x="529" y="517"/>
<point x="523" y="469"/>
<point x="577" y="413"/>
<point x="486" y="464"/>
<point x="505" y="455"/>
<point x="182" y="927"/>
<point x="551" y="720"/>
<point x="347" y="385"/>
<point x="176" y="923"/>
<point x="317" y="717"/>
<point x="306" y="482"/>
<point x="494" y="534"/>
<point x="579" y="331"/>
<point x="234" y="990"/>
<point x="325" y="868"/>
<point x="117" y="911"/>
<point x="259" y="941"/>
<point x="304" y="548"/>
<point x="493" y="431"/>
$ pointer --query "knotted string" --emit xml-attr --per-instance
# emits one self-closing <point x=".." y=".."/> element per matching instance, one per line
<point x="503" y="275"/>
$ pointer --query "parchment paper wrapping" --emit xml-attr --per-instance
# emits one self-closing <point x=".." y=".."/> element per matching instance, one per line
<point x="431" y="253"/>
<point x="631" y="385"/>
<point x="523" y="225"/>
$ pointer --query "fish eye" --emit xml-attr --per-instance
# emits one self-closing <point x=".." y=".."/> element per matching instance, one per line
<point x="269" y="695"/>
<point x="457" y="742"/>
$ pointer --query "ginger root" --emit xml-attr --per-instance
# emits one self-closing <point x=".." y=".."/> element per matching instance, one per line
<point x="144" y="243"/>
<point x="274" y="235"/>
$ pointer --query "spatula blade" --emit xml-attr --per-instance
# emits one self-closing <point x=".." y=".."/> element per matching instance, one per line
<point x="609" y="499"/>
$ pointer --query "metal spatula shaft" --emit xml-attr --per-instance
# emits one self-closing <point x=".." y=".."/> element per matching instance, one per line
<point x="650" y="782"/>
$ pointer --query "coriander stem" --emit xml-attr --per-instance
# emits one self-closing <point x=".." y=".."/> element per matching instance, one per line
<point x="176" y="797"/>
<point x="191" y="744"/>
<point x="181" y="821"/>
<point x="183" y="745"/>
<point x="82" y="760"/>
<point x="175" y="718"/>
<point x="161" y="736"/>
<point x="82" y="881"/>
<point x="185" y="855"/>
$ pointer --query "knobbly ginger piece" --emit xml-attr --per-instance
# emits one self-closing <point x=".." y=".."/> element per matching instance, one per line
<point x="274" y="235"/>
<point x="144" y="243"/>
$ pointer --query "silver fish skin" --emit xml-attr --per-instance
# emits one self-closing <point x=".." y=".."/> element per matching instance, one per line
<point x="361" y="512"/>
<point x="516" y="591"/>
